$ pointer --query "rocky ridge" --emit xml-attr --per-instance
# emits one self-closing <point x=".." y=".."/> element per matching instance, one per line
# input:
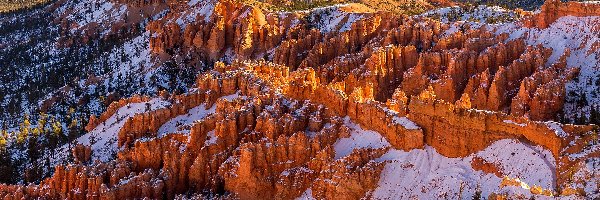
<point x="279" y="115"/>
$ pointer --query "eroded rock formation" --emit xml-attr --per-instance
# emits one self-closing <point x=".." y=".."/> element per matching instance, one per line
<point x="554" y="9"/>
<point x="276" y="121"/>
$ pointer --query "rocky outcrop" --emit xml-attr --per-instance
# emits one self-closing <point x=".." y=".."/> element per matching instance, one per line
<point x="112" y="109"/>
<point x="267" y="145"/>
<point x="397" y="129"/>
<point x="74" y="182"/>
<point x="262" y="166"/>
<point x="168" y="36"/>
<point x="147" y="124"/>
<point x="245" y="30"/>
<point x="542" y="94"/>
<point x="554" y="9"/>
<point x="276" y="120"/>
<point x="349" y="178"/>
<point x="458" y="132"/>
<point x="82" y="153"/>
<point x="487" y="167"/>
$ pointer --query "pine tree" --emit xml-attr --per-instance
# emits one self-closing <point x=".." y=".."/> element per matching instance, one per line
<point x="595" y="116"/>
<point x="581" y="119"/>
<point x="7" y="167"/>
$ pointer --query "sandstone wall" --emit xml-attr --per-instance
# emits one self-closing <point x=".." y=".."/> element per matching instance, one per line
<point x="554" y="9"/>
<point x="245" y="29"/>
<point x="459" y="132"/>
<point x="273" y="136"/>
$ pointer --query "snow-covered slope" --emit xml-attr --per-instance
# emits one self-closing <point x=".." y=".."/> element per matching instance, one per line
<point x="479" y="14"/>
<point x="425" y="174"/>
<point x="180" y="124"/>
<point x="333" y="18"/>
<point x="75" y="72"/>
<point x="359" y="138"/>
<point x="70" y="59"/>
<point x="580" y="36"/>
<point x="103" y="138"/>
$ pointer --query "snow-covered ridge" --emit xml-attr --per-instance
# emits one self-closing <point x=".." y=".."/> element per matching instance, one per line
<point x="479" y="14"/>
<point x="198" y="10"/>
<point x="334" y="18"/>
<point x="406" y="123"/>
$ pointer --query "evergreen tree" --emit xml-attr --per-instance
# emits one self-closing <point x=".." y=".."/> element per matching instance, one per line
<point x="7" y="167"/>
<point x="595" y="116"/>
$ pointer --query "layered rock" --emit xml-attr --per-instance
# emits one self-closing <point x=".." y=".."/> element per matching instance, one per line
<point x="246" y="30"/>
<point x="276" y="121"/>
<point x="147" y="124"/>
<point x="542" y="94"/>
<point x="458" y="132"/>
<point x="281" y="147"/>
<point x="554" y="9"/>
<point x="82" y="153"/>
<point x="112" y="109"/>
<point x="349" y="178"/>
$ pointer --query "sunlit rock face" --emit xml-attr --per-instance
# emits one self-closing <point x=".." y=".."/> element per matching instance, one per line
<point x="553" y="10"/>
<point x="340" y="105"/>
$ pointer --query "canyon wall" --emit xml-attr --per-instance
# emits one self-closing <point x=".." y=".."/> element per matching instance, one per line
<point x="281" y="102"/>
<point x="554" y="9"/>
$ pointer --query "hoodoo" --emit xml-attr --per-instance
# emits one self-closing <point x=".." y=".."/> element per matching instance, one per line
<point x="305" y="100"/>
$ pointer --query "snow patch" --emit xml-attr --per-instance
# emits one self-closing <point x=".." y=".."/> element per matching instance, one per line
<point x="359" y="138"/>
<point x="515" y="123"/>
<point x="307" y="195"/>
<point x="532" y="164"/>
<point x="211" y="138"/>
<point x="332" y="19"/>
<point x="425" y="174"/>
<point x="103" y="138"/>
<point x="557" y="128"/>
<point x="406" y="123"/>
<point x="182" y="123"/>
